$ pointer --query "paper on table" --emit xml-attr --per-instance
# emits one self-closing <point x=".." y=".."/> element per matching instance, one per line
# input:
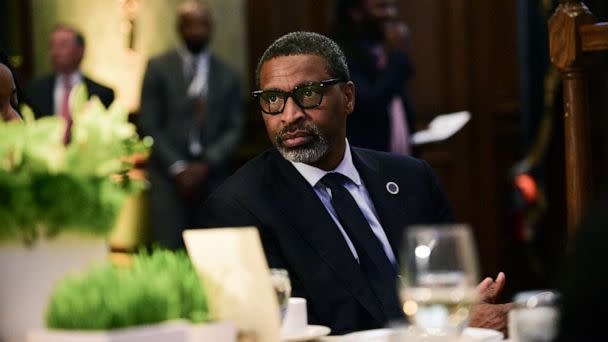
<point x="441" y="128"/>
<point x="233" y="269"/>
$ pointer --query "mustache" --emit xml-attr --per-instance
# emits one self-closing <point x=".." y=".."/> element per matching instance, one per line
<point x="297" y="127"/>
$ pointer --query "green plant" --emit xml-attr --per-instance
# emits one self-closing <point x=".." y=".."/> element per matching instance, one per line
<point x="47" y="187"/>
<point x="157" y="287"/>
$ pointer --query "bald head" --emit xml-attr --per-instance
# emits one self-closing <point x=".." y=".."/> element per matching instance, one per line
<point x="189" y="6"/>
<point x="8" y="95"/>
<point x="194" y="24"/>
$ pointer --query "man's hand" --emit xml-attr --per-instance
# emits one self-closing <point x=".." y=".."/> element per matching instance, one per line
<point x="189" y="181"/>
<point x="486" y="313"/>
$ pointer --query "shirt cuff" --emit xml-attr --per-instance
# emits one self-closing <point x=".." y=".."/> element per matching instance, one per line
<point x="177" y="167"/>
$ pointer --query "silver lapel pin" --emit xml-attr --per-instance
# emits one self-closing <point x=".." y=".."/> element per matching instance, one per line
<point x="392" y="188"/>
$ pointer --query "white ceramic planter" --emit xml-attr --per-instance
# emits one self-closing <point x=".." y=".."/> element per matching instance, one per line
<point x="170" y="331"/>
<point x="175" y="331"/>
<point x="28" y="275"/>
<point x="217" y="331"/>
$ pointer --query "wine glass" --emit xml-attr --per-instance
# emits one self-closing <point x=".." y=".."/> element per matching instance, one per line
<point x="439" y="274"/>
<point x="282" y="288"/>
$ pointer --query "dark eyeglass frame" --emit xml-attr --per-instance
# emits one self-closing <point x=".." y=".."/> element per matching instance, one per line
<point x="286" y="95"/>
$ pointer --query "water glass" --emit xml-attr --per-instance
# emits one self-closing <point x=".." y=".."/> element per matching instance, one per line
<point x="534" y="316"/>
<point x="439" y="275"/>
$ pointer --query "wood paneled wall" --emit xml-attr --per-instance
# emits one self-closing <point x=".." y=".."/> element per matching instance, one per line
<point x="267" y="21"/>
<point x="465" y="56"/>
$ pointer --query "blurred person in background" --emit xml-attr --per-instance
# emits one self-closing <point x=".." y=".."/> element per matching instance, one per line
<point x="50" y="94"/>
<point x="190" y="105"/>
<point x="8" y="91"/>
<point x="585" y="278"/>
<point x="375" y="44"/>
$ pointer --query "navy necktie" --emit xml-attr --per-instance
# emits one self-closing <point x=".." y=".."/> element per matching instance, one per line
<point x="376" y="266"/>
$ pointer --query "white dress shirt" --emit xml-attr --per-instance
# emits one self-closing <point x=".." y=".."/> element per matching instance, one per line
<point x="59" y="89"/>
<point x="198" y="85"/>
<point x="357" y="189"/>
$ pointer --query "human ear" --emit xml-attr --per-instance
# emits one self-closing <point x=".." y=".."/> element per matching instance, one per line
<point x="349" y="97"/>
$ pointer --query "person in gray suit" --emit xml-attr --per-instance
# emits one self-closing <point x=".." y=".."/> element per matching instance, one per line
<point x="190" y="105"/>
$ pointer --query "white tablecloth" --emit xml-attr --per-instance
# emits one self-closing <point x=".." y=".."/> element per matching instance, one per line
<point x="388" y="335"/>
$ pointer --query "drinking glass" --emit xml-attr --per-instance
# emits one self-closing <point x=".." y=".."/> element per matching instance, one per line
<point x="534" y="316"/>
<point x="439" y="275"/>
<point x="282" y="288"/>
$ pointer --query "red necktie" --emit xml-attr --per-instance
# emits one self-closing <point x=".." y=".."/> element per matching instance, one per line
<point x="65" y="108"/>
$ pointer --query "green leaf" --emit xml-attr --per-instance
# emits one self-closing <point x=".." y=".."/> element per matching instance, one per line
<point x="157" y="287"/>
<point x="35" y="166"/>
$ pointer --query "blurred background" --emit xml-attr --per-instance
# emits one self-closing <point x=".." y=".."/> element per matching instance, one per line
<point x="503" y="172"/>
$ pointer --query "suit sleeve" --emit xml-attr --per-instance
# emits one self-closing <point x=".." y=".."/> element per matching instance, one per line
<point x="35" y="98"/>
<point x="223" y="211"/>
<point x="440" y="203"/>
<point x="152" y="115"/>
<point x="224" y="147"/>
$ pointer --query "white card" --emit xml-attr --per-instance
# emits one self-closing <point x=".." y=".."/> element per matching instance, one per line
<point x="441" y="127"/>
<point x="234" y="271"/>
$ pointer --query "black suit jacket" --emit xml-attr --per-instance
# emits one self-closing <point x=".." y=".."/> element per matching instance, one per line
<point x="369" y="124"/>
<point x="298" y="233"/>
<point x="39" y="94"/>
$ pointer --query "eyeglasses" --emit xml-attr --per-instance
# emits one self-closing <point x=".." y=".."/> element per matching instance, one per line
<point x="306" y="96"/>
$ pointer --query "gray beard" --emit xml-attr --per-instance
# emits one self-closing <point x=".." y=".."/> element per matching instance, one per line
<point x="310" y="153"/>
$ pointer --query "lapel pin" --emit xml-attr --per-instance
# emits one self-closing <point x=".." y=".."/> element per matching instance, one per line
<point x="392" y="188"/>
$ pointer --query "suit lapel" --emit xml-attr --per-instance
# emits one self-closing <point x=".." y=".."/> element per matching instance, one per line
<point x="48" y="107"/>
<point x="90" y="86"/>
<point x="212" y="79"/>
<point x="175" y="66"/>
<point x="212" y="95"/>
<point x="306" y="214"/>
<point x="391" y="210"/>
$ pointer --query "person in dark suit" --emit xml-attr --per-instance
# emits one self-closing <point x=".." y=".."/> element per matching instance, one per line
<point x="330" y="213"/>
<point x="375" y="45"/>
<point x="49" y="95"/>
<point x="190" y="106"/>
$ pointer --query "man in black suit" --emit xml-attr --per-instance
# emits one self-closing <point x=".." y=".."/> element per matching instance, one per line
<point x="49" y="94"/>
<point x="190" y="105"/>
<point x="330" y="213"/>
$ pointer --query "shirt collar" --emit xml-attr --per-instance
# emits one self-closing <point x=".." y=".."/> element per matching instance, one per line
<point x="346" y="167"/>
<point x="75" y="78"/>
<point x="187" y="56"/>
